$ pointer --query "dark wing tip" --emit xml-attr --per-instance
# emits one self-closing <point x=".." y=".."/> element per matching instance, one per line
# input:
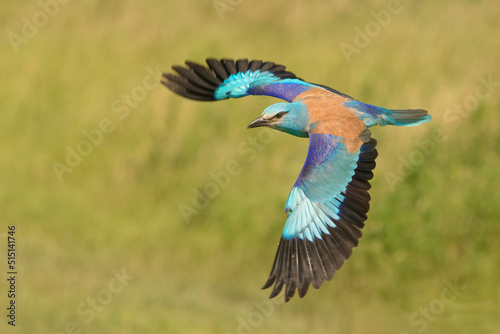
<point x="198" y="82"/>
<point x="183" y="87"/>
<point x="300" y="263"/>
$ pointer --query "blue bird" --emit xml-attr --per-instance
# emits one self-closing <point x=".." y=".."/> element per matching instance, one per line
<point x="328" y="203"/>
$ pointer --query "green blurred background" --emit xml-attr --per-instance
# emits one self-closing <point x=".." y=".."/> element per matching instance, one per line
<point x="434" y="219"/>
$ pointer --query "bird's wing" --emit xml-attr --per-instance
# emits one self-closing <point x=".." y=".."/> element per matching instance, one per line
<point x="326" y="210"/>
<point x="226" y="78"/>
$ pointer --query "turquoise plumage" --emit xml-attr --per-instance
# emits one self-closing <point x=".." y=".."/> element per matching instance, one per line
<point x="328" y="203"/>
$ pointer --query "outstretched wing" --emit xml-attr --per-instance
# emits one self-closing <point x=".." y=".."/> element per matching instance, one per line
<point x="326" y="210"/>
<point x="227" y="78"/>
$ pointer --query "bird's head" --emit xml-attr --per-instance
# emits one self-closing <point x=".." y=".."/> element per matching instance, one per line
<point x="291" y="118"/>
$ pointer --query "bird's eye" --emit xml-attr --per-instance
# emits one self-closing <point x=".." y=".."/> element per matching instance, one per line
<point x="280" y="115"/>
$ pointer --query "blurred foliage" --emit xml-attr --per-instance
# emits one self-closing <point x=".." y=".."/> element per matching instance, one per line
<point x="119" y="207"/>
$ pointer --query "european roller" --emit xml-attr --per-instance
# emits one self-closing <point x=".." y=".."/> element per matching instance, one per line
<point x="327" y="206"/>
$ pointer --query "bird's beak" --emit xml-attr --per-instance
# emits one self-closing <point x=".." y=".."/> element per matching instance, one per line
<point x="258" y="122"/>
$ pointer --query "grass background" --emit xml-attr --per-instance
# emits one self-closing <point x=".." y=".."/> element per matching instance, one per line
<point x="119" y="208"/>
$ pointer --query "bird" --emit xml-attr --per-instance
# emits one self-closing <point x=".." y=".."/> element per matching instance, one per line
<point x="328" y="204"/>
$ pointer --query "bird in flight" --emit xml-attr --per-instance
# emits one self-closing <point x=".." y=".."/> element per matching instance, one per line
<point x="327" y="206"/>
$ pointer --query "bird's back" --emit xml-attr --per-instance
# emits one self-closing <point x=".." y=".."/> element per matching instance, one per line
<point x="329" y="115"/>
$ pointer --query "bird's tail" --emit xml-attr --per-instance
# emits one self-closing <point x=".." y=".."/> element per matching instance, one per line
<point x="372" y="115"/>
<point x="407" y="117"/>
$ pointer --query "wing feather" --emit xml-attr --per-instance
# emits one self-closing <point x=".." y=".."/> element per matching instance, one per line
<point x="323" y="227"/>
<point x="226" y="78"/>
